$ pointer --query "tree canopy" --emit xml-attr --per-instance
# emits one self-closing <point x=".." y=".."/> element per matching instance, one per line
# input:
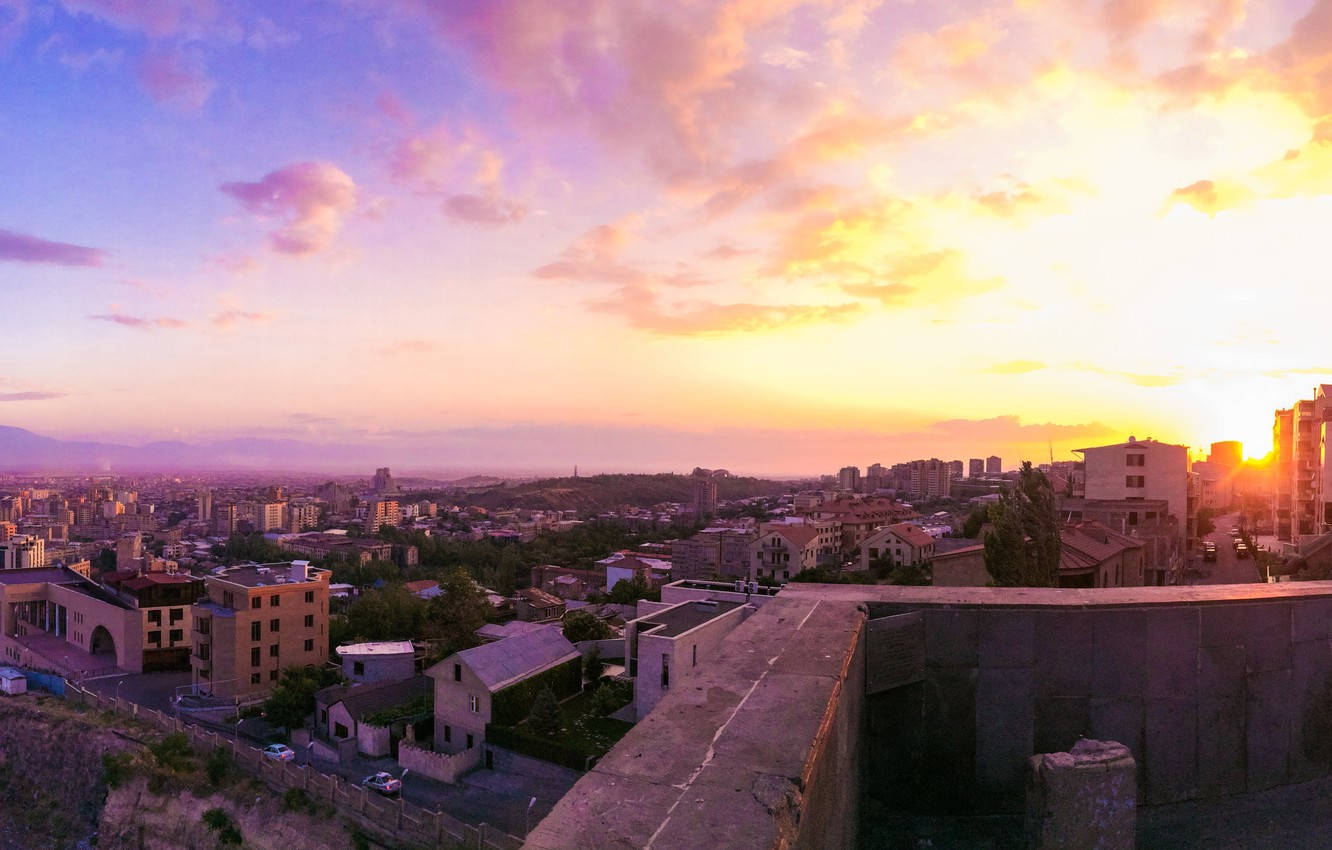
<point x="580" y="625"/>
<point x="1022" y="548"/>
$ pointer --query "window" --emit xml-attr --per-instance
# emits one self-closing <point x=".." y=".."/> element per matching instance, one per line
<point x="323" y="717"/>
<point x="204" y="651"/>
<point x="309" y="596"/>
<point x="469" y="741"/>
<point x="474" y="704"/>
<point x="874" y="553"/>
<point x="273" y="651"/>
<point x="358" y="667"/>
<point x="457" y="672"/>
<point x="205" y="673"/>
<point x="176" y="635"/>
<point x="155" y="617"/>
<point x="228" y="599"/>
<point x="309" y="621"/>
<point x="695" y="652"/>
<point x="309" y="645"/>
<point x="1135" y="460"/>
<point x="273" y="624"/>
<point x="1135" y="481"/>
<point x="448" y="734"/>
<point x="254" y="630"/>
<point x="272" y="675"/>
<point x="254" y="657"/>
<point x="254" y="678"/>
<point x="665" y="671"/>
<point x="155" y="638"/>
<point x="256" y="602"/>
<point x="339" y="731"/>
<point x="274" y="600"/>
<point x="1133" y="518"/>
<point x="177" y="614"/>
<point x="202" y="625"/>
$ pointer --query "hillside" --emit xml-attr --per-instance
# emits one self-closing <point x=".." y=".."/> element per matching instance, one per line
<point x="605" y="492"/>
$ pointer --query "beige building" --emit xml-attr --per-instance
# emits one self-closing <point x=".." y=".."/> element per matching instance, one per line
<point x="665" y="645"/>
<point x="902" y="543"/>
<point x="52" y="618"/>
<point x="931" y="478"/>
<point x="256" y="621"/>
<point x="1141" y="470"/>
<point x="781" y="551"/>
<point x="23" y="551"/>
<point x="379" y="512"/>
<point x="712" y="552"/>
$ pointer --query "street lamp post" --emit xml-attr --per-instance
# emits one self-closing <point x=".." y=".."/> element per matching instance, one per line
<point x="527" y="819"/>
<point x="117" y="692"/>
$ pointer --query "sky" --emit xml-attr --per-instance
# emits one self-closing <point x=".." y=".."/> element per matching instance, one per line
<point x="767" y="235"/>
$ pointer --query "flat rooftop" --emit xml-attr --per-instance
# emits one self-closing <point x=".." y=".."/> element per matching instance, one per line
<point x="38" y="575"/>
<point x="267" y="575"/>
<point x="1042" y="597"/>
<point x="681" y="618"/>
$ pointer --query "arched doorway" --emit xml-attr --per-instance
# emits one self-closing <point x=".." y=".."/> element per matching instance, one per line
<point x="101" y="643"/>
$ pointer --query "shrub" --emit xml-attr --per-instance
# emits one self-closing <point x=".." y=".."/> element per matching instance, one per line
<point x="296" y="800"/>
<point x="116" y="769"/>
<point x="217" y="766"/>
<point x="545" y="716"/>
<point x="219" y="820"/>
<point x="173" y="751"/>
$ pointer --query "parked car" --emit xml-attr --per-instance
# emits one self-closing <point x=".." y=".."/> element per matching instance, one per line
<point x="1242" y="550"/>
<point x="1209" y="551"/>
<point x="382" y="782"/>
<point x="278" y="752"/>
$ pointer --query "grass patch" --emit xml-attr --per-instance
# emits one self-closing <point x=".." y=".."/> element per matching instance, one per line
<point x="585" y="729"/>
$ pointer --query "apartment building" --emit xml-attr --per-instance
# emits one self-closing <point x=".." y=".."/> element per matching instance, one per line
<point x="902" y="543"/>
<point x="931" y="478"/>
<point x="379" y="512"/>
<point x="664" y="646"/>
<point x="712" y="552"/>
<point x="257" y="620"/>
<point x="225" y="519"/>
<point x="994" y="465"/>
<point x="164" y="602"/>
<point x="781" y="551"/>
<point x="1302" y="468"/>
<point x="22" y="551"/>
<point x="1142" y="469"/>
<point x="975" y="467"/>
<point x="268" y="516"/>
<point x="848" y="478"/>
<point x="1148" y="521"/>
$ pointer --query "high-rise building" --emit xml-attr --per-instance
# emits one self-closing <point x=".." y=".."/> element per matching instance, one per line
<point x="1227" y="453"/>
<point x="203" y="503"/>
<point x="255" y="622"/>
<point x="129" y="548"/>
<point x="382" y="483"/>
<point x="848" y="478"/>
<point x="23" y="551"/>
<point x="955" y="470"/>
<point x="931" y="478"/>
<point x="975" y="467"/>
<point x="704" y="502"/>
<point x="225" y="518"/>
<point x="268" y="516"/>
<point x="994" y="466"/>
<point x="380" y="512"/>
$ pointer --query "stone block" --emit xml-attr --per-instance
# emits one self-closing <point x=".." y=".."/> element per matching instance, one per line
<point x="1119" y="644"/>
<point x="1267" y="728"/>
<point x="1221" y="745"/>
<point x="952" y="637"/>
<point x="1171" y="653"/>
<point x="1221" y="671"/>
<point x="1063" y="647"/>
<point x="1170" y="749"/>
<point x="1118" y="720"/>
<point x="1060" y="722"/>
<point x="1310" y="619"/>
<point x="1005" y="729"/>
<point x="1082" y="798"/>
<point x="1007" y="638"/>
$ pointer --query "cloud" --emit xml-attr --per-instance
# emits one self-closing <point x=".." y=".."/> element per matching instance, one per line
<point x="153" y="18"/>
<point x="596" y="257"/>
<point x="175" y="77"/>
<point x="409" y="346"/>
<point x="1141" y="379"/>
<point x="786" y="57"/>
<point x="22" y="248"/>
<point x="229" y="318"/>
<point x="236" y="263"/>
<point x="140" y="323"/>
<point x="643" y="310"/>
<point x="1209" y="197"/>
<point x="13" y="18"/>
<point x="1016" y="367"/>
<point x="31" y="396"/>
<point x="933" y="277"/>
<point x="310" y="198"/>
<point x="312" y="419"/>
<point x="1011" y="429"/>
<point x="489" y="210"/>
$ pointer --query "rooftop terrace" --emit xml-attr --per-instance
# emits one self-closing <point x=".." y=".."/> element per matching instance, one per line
<point x="678" y="619"/>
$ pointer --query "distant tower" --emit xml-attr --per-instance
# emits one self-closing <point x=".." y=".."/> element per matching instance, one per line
<point x="383" y="482"/>
<point x="575" y="470"/>
<point x="705" y="490"/>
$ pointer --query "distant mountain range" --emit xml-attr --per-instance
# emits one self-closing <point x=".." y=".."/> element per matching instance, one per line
<point x="24" y="451"/>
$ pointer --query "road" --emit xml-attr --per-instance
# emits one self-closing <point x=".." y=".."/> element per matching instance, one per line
<point x="1228" y="568"/>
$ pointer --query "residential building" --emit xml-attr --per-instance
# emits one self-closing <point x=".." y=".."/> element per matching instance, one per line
<point x="876" y="478"/>
<point x="975" y="467"/>
<point x="1146" y="520"/>
<point x="712" y="552"/>
<point x="904" y="543"/>
<point x="664" y="646"/>
<point x="380" y="661"/>
<point x="1092" y="555"/>
<point x="994" y="466"/>
<point x="782" y="551"/>
<point x="380" y="512"/>
<point x="354" y="550"/>
<point x="7" y="530"/>
<point x="268" y="516"/>
<point x="1283" y="478"/>
<point x="535" y="605"/>
<point x="1227" y="453"/>
<point x="467" y="682"/>
<point x="256" y="621"/>
<point x="955" y="470"/>
<point x="23" y="551"/>
<point x="1138" y="470"/>
<point x="129" y="548"/>
<point x="203" y="503"/>
<point x="566" y="582"/>
<point x="848" y="478"/>
<point x="382" y="483"/>
<point x="704" y="481"/>
<point x="854" y="520"/>
<point x="164" y="601"/>
<point x="225" y="519"/>
<point x="341" y="711"/>
<point x="931" y="478"/>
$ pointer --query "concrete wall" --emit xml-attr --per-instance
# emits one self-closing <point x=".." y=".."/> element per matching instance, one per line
<point x="444" y="767"/>
<point x="372" y="740"/>
<point x="685" y="651"/>
<point x="379" y="668"/>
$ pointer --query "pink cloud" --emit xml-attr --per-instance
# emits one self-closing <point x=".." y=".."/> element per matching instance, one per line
<point x="228" y="318"/>
<point x="487" y="209"/>
<point x="310" y="198"/>
<point x="156" y="18"/>
<point x="22" y="248"/>
<point x="13" y="18"/>
<point x="175" y="77"/>
<point x="642" y="309"/>
<point x="139" y="322"/>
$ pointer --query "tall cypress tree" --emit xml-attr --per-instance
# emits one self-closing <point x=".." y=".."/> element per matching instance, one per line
<point x="1022" y="549"/>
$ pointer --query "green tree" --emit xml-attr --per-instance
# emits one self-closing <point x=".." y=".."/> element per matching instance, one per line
<point x="1206" y="521"/>
<point x="1022" y="549"/>
<point x="456" y="613"/>
<point x="580" y="625"/>
<point x="293" y="698"/>
<point x="629" y="591"/>
<point x="972" y="525"/>
<point x="389" y="613"/>
<point x="545" y="715"/>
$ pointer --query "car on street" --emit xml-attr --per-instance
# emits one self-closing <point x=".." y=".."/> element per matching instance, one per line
<point x="279" y="752"/>
<point x="1241" y="550"/>
<point x="382" y="782"/>
<point x="1209" y="551"/>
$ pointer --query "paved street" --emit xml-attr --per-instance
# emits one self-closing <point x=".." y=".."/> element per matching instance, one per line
<point x="150" y="690"/>
<point x="1228" y="568"/>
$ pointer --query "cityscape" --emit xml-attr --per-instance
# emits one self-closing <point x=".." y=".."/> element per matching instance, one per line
<point x="778" y="425"/>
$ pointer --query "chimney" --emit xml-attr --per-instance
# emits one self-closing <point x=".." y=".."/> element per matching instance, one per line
<point x="300" y="570"/>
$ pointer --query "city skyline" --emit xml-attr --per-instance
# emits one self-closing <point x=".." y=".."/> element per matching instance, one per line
<point x="777" y="237"/>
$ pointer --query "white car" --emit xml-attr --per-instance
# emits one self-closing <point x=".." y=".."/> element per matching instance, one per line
<point x="382" y="782"/>
<point x="278" y="752"/>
